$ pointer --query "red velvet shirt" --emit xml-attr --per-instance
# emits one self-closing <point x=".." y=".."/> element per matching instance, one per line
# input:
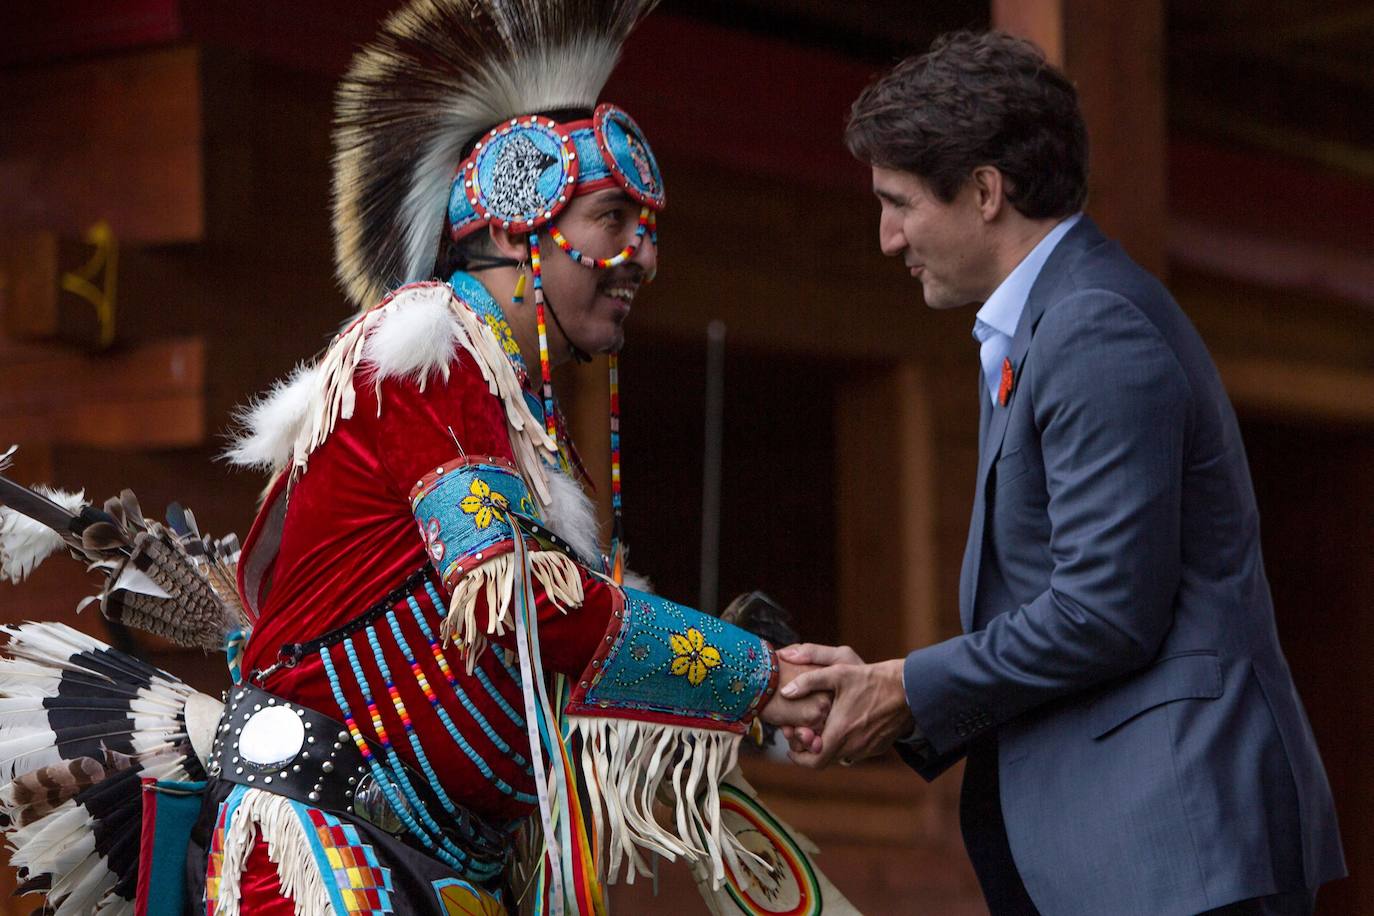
<point x="349" y="537"/>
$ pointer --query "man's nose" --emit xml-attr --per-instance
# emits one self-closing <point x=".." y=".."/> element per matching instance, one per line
<point x="890" y="238"/>
<point x="646" y="255"/>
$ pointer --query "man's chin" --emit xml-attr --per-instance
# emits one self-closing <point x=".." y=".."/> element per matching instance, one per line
<point x="939" y="299"/>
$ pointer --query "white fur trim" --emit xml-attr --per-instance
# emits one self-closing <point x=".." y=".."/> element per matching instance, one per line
<point x="25" y="543"/>
<point x="296" y="416"/>
<point x="571" y="515"/>
<point x="270" y="424"/>
<point x="414" y="342"/>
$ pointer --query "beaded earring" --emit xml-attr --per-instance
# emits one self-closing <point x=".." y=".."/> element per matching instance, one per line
<point x="550" y="423"/>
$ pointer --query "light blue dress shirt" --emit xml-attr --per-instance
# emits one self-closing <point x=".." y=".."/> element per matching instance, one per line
<point x="995" y="325"/>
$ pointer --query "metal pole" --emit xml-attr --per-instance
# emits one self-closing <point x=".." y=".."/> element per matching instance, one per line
<point x="711" y="467"/>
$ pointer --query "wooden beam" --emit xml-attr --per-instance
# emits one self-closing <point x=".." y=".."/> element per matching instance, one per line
<point x="28" y="285"/>
<point x="1282" y="388"/>
<point x="1113" y="51"/>
<point x="149" y="397"/>
<point x="1288" y="264"/>
<point x="74" y="27"/>
<point x="114" y="138"/>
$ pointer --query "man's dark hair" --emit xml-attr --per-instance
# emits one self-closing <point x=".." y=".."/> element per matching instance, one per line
<point x="454" y="256"/>
<point x="978" y="98"/>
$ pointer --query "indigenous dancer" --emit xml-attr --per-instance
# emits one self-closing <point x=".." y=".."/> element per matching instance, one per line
<point x="450" y="701"/>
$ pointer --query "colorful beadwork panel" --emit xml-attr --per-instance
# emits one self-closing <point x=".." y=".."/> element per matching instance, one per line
<point x="355" y="878"/>
<point x="214" y="864"/>
<point x="626" y="153"/>
<point x="459" y="898"/>
<point x="469" y="289"/>
<point x="461" y="509"/>
<point x="671" y="664"/>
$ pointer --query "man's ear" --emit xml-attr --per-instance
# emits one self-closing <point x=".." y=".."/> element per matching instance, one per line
<point x="989" y="188"/>
<point x="508" y="244"/>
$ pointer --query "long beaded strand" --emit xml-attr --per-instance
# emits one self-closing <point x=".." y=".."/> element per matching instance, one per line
<point x="482" y="676"/>
<point x="617" y="520"/>
<point x="550" y="424"/>
<point x="393" y="761"/>
<point x="379" y="776"/>
<point x="463" y="698"/>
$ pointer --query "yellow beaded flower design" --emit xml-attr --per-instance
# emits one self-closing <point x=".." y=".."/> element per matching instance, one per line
<point x="502" y="330"/>
<point x="692" y="658"/>
<point x="483" y="503"/>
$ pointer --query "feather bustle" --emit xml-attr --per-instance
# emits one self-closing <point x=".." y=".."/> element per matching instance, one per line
<point x="80" y="725"/>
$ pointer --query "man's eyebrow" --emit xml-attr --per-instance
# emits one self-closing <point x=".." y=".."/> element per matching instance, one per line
<point x="611" y="196"/>
<point x="889" y="196"/>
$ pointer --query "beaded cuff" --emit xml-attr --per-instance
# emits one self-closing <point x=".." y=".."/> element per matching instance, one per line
<point x="665" y="663"/>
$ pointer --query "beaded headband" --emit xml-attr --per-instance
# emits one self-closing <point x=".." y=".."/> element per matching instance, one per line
<point x="525" y="170"/>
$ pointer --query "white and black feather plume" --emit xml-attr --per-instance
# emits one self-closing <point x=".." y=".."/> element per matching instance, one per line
<point x="440" y="73"/>
<point x="81" y="724"/>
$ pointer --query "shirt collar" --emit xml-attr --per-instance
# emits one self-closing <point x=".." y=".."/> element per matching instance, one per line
<point x="1002" y="310"/>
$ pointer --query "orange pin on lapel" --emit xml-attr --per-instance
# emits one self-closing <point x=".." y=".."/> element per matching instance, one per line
<point x="1008" y="380"/>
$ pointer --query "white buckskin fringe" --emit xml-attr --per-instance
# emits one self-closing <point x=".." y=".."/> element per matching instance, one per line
<point x="298" y="416"/>
<point x="288" y="847"/>
<point x="626" y="764"/>
<point x="494" y="581"/>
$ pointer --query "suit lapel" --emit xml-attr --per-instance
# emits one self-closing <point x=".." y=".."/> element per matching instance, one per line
<point x="993" y="429"/>
<point x="968" y="570"/>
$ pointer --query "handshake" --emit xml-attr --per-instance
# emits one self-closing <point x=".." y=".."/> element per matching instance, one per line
<point x="832" y="706"/>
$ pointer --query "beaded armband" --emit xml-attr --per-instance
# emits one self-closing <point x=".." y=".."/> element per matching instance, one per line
<point x="464" y="512"/>
<point x="665" y="663"/>
<point x="462" y="509"/>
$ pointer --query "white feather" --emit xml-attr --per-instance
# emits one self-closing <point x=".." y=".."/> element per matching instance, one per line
<point x="269" y="425"/>
<point x="25" y="543"/>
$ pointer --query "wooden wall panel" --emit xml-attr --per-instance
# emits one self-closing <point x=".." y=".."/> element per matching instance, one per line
<point x="117" y="139"/>
<point x="1114" y="53"/>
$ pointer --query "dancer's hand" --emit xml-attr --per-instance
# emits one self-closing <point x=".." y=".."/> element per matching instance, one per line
<point x="808" y="710"/>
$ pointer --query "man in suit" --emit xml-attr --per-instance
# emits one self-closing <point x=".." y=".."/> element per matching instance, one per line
<point x="1133" y="739"/>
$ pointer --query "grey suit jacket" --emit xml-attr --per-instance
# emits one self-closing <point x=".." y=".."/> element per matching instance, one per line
<point x="1154" y="757"/>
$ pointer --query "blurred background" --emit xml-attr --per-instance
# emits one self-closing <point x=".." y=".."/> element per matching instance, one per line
<point x="165" y="252"/>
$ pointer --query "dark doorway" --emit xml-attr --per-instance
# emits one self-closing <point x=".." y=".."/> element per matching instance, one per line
<point x="1315" y="486"/>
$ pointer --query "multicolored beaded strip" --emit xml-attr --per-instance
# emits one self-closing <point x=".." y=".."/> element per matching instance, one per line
<point x="617" y="524"/>
<point x="379" y="776"/>
<point x="549" y="424"/>
<point x="482" y="677"/>
<point x="398" y="773"/>
<point x="648" y="222"/>
<point x="423" y="681"/>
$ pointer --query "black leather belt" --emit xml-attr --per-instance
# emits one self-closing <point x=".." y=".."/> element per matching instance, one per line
<point x="270" y="743"/>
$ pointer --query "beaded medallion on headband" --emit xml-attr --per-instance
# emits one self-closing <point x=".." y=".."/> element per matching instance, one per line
<point x="522" y="173"/>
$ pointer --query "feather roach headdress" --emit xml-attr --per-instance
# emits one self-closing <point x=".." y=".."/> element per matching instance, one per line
<point x="439" y="74"/>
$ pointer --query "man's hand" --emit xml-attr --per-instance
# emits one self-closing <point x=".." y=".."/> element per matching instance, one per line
<point x="804" y="738"/>
<point x="807" y="710"/>
<point x="868" y="714"/>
